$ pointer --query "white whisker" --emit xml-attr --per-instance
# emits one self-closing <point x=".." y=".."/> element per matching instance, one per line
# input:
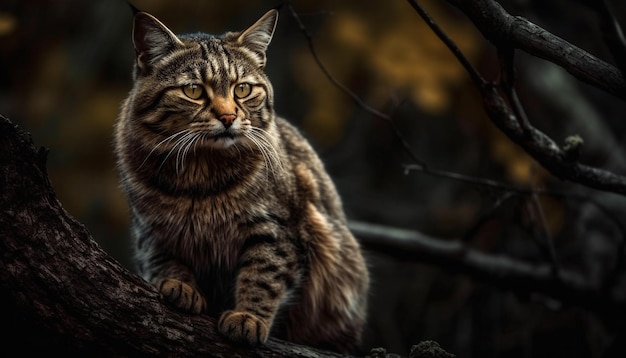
<point x="264" y="137"/>
<point x="180" y="142"/>
<point x="191" y="140"/>
<point x="263" y="151"/>
<point x="171" y="137"/>
<point x="271" y="158"/>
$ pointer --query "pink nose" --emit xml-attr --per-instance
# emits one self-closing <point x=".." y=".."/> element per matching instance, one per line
<point x="227" y="119"/>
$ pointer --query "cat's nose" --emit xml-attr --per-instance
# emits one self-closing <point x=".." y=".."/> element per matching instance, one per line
<point x="227" y="119"/>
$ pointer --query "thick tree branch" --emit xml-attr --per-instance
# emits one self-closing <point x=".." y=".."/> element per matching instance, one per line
<point x="60" y="292"/>
<point x="504" y="29"/>
<point x="536" y="143"/>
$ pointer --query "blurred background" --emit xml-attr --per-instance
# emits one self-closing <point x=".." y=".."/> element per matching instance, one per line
<point x="65" y="67"/>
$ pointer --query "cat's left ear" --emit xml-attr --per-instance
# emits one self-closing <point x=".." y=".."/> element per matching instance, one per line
<point x="257" y="37"/>
<point x="152" y="40"/>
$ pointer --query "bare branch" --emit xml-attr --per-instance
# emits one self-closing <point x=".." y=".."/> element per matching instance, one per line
<point x="506" y="55"/>
<point x="536" y="143"/>
<point x="360" y="102"/>
<point x="501" y="111"/>
<point x="567" y="286"/>
<point x="499" y="202"/>
<point x="611" y="30"/>
<point x="474" y="74"/>
<point x="501" y="28"/>
<point x="546" y="151"/>
<point x="537" y="211"/>
<point x="453" y="255"/>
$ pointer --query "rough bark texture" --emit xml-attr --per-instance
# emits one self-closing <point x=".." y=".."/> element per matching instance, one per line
<point x="61" y="293"/>
<point x="506" y="30"/>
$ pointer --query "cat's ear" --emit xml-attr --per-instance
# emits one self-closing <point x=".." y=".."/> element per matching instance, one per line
<point x="152" y="40"/>
<point x="257" y="37"/>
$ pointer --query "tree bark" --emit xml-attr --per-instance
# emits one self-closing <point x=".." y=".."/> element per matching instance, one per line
<point x="61" y="293"/>
<point x="505" y="30"/>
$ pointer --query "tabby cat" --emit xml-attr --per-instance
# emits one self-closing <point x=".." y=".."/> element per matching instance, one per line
<point x="233" y="213"/>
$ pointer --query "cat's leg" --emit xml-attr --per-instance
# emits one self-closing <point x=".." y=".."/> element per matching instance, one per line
<point x="182" y="294"/>
<point x="177" y="284"/>
<point x="267" y="271"/>
<point x="175" y="281"/>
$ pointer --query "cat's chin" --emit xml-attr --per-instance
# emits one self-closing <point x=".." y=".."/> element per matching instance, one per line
<point x="221" y="142"/>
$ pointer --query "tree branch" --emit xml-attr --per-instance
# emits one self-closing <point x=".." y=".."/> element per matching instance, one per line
<point x="611" y="30"/>
<point x="360" y="102"/>
<point x="60" y="292"/>
<point x="545" y="150"/>
<point x="550" y="280"/>
<point x="503" y="29"/>
<point x="497" y="25"/>
<point x="568" y="287"/>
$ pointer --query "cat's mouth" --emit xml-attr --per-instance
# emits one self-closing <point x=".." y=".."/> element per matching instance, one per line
<point x="225" y="135"/>
<point x="223" y="140"/>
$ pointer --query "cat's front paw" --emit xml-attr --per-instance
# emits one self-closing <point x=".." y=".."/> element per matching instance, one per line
<point x="243" y="327"/>
<point x="181" y="295"/>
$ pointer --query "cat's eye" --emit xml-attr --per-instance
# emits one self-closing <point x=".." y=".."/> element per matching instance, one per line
<point x="243" y="90"/>
<point x="193" y="91"/>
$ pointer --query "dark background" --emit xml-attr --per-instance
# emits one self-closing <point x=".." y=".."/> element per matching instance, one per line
<point x="65" y="66"/>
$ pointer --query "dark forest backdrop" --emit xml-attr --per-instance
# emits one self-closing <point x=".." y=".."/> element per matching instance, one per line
<point x="65" y="66"/>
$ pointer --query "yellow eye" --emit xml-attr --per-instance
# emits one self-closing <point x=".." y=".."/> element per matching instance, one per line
<point x="243" y="90"/>
<point x="193" y="91"/>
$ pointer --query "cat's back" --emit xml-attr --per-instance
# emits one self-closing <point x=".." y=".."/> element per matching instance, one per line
<point x="312" y="181"/>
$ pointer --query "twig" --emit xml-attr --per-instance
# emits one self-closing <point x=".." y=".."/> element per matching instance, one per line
<point x="506" y="55"/>
<point x="536" y="143"/>
<point x="612" y="31"/>
<point x="508" y="191"/>
<point x="474" y="74"/>
<point x="545" y="233"/>
<point x="331" y="78"/>
<point x="495" y="106"/>
<point x="376" y="113"/>
<point x="543" y="149"/>
<point x="483" y="182"/>
<point x="506" y="196"/>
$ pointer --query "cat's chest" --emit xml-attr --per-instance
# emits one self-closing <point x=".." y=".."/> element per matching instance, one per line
<point x="207" y="232"/>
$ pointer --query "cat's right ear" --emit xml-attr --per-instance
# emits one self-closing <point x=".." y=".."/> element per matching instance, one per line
<point x="152" y="40"/>
<point x="257" y="37"/>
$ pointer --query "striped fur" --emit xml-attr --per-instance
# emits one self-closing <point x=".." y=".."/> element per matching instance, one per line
<point x="232" y="211"/>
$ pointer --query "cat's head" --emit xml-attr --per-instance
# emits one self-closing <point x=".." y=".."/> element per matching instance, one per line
<point x="202" y="89"/>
